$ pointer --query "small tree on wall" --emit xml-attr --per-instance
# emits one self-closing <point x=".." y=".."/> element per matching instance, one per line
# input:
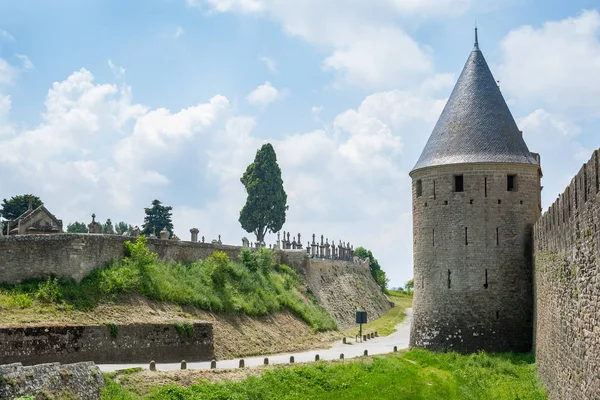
<point x="77" y="227"/>
<point x="376" y="272"/>
<point x="157" y="217"/>
<point x="265" y="206"/>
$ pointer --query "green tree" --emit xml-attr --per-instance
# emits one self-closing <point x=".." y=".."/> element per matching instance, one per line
<point x="123" y="227"/>
<point x="77" y="227"/>
<point x="376" y="272"/>
<point x="157" y="217"/>
<point x="265" y="206"/>
<point x="410" y="285"/>
<point x="17" y="205"/>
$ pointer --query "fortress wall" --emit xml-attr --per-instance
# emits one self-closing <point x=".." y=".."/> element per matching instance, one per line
<point x="340" y="286"/>
<point x="567" y="289"/>
<point x="472" y="258"/>
<point x="127" y="344"/>
<point x="343" y="288"/>
<point x="72" y="255"/>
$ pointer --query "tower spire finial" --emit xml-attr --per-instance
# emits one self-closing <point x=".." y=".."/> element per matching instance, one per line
<point x="476" y="40"/>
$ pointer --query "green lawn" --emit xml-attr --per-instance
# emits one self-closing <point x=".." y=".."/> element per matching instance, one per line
<point x="386" y="325"/>
<point x="415" y="374"/>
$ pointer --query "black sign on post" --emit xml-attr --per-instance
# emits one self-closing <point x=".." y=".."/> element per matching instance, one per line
<point x="361" y="318"/>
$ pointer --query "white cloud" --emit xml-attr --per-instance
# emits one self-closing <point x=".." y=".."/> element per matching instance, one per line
<point x="555" y="65"/>
<point x="118" y="72"/>
<point x="270" y="64"/>
<point x="556" y="139"/>
<point x="229" y="5"/>
<point x="367" y="44"/>
<point x="7" y="72"/>
<point x="264" y="95"/>
<point x="178" y="32"/>
<point x="4" y="35"/>
<point x="27" y="64"/>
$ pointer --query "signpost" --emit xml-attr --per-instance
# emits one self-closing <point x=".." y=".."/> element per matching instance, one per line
<point x="361" y="318"/>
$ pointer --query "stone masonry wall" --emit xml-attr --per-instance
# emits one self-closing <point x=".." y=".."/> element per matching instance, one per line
<point x="340" y="286"/>
<point x="80" y="381"/>
<point x="343" y="288"/>
<point x="107" y="345"/>
<point x="472" y="257"/>
<point x="74" y="256"/>
<point x="567" y="288"/>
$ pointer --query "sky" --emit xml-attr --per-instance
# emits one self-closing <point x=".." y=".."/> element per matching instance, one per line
<point x="106" y="105"/>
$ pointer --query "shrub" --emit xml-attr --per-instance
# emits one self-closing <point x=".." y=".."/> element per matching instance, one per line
<point x="49" y="291"/>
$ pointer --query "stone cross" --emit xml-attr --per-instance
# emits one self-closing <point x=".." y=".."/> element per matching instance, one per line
<point x="313" y="242"/>
<point x="299" y="240"/>
<point x="220" y="239"/>
<point x="202" y="239"/>
<point x="194" y="232"/>
<point x="245" y="242"/>
<point x="278" y="241"/>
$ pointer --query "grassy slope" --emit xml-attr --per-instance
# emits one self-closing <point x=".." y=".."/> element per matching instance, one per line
<point x="385" y="325"/>
<point x="254" y="286"/>
<point x="416" y="374"/>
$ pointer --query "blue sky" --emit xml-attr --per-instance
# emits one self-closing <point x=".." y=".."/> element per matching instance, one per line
<point x="106" y="105"/>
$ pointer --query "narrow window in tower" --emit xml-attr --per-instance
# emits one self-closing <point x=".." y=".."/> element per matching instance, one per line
<point x="485" y="285"/>
<point x="511" y="183"/>
<point x="497" y="240"/>
<point x="485" y="187"/>
<point x="449" y="280"/>
<point x="497" y="314"/>
<point x="458" y="183"/>
<point x="466" y="237"/>
<point x="419" y="187"/>
<point x="433" y="237"/>
<point x="434" y="190"/>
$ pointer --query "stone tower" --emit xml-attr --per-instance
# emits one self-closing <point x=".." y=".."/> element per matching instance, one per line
<point x="476" y="195"/>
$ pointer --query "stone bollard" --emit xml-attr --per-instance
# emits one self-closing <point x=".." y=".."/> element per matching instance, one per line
<point x="395" y="349"/>
<point x="317" y="358"/>
<point x="242" y="363"/>
<point x="342" y="356"/>
<point x="376" y="334"/>
<point x="291" y="359"/>
<point x="266" y="361"/>
<point x="344" y="340"/>
<point x="364" y="338"/>
<point x="152" y="366"/>
<point x="366" y="352"/>
<point x="213" y="364"/>
<point x="183" y="365"/>
<point x="372" y="335"/>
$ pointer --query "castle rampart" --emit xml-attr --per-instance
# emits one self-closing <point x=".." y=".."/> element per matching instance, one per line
<point x="567" y="289"/>
<point x="473" y="280"/>
<point x="340" y="285"/>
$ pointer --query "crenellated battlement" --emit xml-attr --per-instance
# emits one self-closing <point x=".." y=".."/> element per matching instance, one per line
<point x="560" y="226"/>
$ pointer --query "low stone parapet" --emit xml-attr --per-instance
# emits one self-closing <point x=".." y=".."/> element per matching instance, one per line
<point x="107" y="344"/>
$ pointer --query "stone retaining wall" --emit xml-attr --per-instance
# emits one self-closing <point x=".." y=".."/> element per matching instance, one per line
<point x="106" y="344"/>
<point x="343" y="288"/>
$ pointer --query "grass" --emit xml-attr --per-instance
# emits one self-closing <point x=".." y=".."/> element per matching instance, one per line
<point x="416" y="374"/>
<point x="386" y="325"/>
<point x="253" y="285"/>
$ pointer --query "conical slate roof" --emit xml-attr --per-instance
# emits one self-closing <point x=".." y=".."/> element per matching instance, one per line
<point x="476" y="125"/>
